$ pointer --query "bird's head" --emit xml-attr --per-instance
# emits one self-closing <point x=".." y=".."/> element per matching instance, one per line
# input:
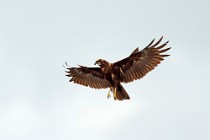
<point x="101" y="62"/>
<point x="98" y="62"/>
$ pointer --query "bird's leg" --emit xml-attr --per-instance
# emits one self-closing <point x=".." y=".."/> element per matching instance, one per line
<point x="115" y="93"/>
<point x="108" y="95"/>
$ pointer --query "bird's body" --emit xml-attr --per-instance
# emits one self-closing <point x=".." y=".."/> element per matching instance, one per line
<point x="110" y="75"/>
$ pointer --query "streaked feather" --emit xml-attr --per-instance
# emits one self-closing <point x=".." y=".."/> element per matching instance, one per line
<point x="139" y="63"/>
<point x="92" y="77"/>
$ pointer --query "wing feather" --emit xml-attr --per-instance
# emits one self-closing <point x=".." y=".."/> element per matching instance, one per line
<point x="139" y="63"/>
<point x="92" y="77"/>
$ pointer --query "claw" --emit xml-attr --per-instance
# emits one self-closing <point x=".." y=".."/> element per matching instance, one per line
<point x="108" y="95"/>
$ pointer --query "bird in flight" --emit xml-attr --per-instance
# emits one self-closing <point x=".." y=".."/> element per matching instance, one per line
<point x="111" y="75"/>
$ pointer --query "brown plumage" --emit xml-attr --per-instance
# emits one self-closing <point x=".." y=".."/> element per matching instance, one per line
<point x="110" y="75"/>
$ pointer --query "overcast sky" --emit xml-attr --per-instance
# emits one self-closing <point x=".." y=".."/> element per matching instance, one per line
<point x="38" y="103"/>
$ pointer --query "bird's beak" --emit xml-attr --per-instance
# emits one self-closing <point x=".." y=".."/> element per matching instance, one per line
<point x="97" y="62"/>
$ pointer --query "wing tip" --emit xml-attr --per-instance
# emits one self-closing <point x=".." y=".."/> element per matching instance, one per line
<point x="135" y="51"/>
<point x="165" y="55"/>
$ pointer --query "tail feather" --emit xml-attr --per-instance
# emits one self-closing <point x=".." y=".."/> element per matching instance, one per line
<point x="121" y="93"/>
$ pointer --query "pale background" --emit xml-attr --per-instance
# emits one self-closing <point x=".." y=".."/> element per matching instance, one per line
<point x="38" y="103"/>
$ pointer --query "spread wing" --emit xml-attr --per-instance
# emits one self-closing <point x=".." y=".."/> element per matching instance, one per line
<point x="139" y="63"/>
<point x="92" y="77"/>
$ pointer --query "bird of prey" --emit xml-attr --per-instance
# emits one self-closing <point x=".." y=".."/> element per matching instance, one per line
<point x="111" y="75"/>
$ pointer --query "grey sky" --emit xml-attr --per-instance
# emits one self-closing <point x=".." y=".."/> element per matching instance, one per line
<point x="38" y="102"/>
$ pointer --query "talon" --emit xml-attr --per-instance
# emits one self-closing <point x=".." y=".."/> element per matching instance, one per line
<point x="108" y="95"/>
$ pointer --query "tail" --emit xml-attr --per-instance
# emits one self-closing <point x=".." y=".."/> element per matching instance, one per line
<point x="121" y="94"/>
